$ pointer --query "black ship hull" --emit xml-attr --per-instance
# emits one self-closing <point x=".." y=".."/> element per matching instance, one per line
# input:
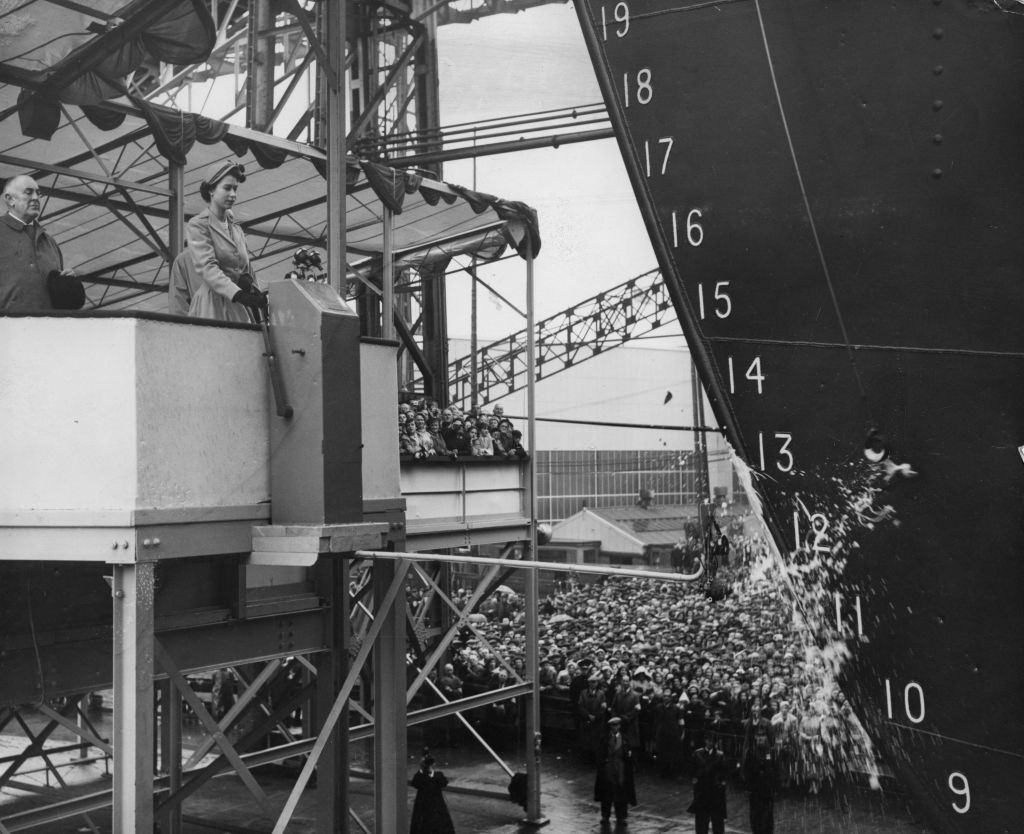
<point x="835" y="191"/>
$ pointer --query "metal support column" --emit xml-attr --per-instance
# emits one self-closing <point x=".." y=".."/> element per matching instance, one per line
<point x="474" y="359"/>
<point x="170" y="753"/>
<point x="175" y="219"/>
<point x="387" y="276"/>
<point x="163" y="744"/>
<point x="133" y="589"/>
<point x="700" y="443"/>
<point x="425" y="77"/>
<point x="261" y="65"/>
<point x="333" y="90"/>
<point x="332" y="668"/>
<point x="176" y="208"/>
<point x="533" y="737"/>
<point x="434" y="298"/>
<point x="389" y="717"/>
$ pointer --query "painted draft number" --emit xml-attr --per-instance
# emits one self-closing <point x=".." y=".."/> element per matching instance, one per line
<point x="693" y="231"/>
<point x="637" y="87"/>
<point x="817" y="538"/>
<point x="783" y="456"/>
<point x="619" y="22"/>
<point x="858" y="615"/>
<point x="913" y="701"/>
<point x="959" y="785"/>
<point x="753" y="373"/>
<point x="665" y="143"/>
<point x="722" y="301"/>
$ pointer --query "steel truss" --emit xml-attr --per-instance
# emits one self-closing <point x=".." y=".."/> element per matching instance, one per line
<point x="277" y="54"/>
<point x="70" y="715"/>
<point x="148" y="716"/>
<point x="581" y="332"/>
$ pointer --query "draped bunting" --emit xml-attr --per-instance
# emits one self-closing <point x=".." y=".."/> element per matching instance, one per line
<point x="434" y="197"/>
<point x="266" y="155"/>
<point x="391" y="185"/>
<point x="477" y="200"/>
<point x="46" y="40"/>
<point x="39" y="115"/>
<point x="352" y="170"/>
<point x="387" y="183"/>
<point x="175" y="131"/>
<point x="528" y="243"/>
<point x="63" y="42"/>
<point x="103" y="117"/>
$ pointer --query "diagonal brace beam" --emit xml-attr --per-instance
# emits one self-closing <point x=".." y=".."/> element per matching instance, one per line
<point x="449" y="636"/>
<point x="397" y="587"/>
<point x="169" y="666"/>
<point x="243" y="700"/>
<point x="94" y="740"/>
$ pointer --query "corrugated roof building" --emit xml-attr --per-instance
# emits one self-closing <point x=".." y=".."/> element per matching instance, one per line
<point x="631" y="534"/>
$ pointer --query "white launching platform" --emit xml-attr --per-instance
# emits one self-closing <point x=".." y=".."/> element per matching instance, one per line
<point x="129" y="438"/>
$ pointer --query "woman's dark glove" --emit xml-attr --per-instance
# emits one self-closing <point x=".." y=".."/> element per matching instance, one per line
<point x="256" y="301"/>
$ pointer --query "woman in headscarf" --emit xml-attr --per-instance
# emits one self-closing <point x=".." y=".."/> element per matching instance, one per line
<point x="220" y="257"/>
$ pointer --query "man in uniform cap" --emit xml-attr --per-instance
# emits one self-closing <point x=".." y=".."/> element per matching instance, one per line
<point x="710" y="773"/>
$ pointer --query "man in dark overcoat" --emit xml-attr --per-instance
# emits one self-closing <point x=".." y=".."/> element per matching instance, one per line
<point x="759" y="774"/>
<point x="593" y="708"/>
<point x="710" y="774"/>
<point x="625" y="704"/>
<point x="614" y="785"/>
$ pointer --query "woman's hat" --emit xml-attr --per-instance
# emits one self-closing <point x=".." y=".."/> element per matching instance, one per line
<point x="216" y="173"/>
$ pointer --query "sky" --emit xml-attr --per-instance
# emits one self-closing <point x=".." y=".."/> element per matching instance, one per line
<point x="593" y="235"/>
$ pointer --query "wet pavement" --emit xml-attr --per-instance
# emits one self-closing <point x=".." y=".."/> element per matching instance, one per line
<point x="477" y="799"/>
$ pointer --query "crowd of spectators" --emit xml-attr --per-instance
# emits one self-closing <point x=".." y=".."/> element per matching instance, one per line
<point x="675" y="665"/>
<point x="425" y="430"/>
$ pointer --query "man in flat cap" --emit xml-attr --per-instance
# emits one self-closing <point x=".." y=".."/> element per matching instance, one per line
<point x="614" y="785"/>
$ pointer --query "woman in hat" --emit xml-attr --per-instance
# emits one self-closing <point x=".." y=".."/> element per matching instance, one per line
<point x="219" y="255"/>
<point x="429" y="810"/>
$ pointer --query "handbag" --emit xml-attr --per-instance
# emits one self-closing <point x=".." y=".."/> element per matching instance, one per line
<point x="66" y="291"/>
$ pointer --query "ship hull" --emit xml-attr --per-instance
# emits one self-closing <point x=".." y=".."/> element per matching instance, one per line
<point x="835" y="192"/>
